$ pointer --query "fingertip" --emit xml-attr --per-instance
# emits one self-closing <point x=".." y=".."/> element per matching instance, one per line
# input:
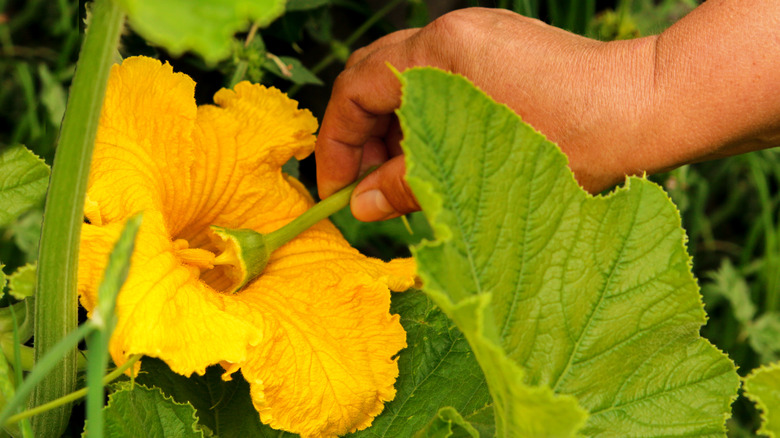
<point x="371" y="205"/>
<point x="383" y="194"/>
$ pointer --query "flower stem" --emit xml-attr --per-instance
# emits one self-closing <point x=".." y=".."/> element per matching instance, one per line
<point x="319" y="211"/>
<point x="56" y="303"/>
<point x="247" y="252"/>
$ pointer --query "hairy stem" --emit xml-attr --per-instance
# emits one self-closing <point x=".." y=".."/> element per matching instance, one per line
<point x="56" y="303"/>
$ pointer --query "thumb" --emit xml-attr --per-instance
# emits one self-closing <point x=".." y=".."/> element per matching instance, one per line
<point x="384" y="194"/>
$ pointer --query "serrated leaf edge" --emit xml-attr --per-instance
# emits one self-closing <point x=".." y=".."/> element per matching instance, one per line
<point x="132" y="385"/>
<point x="760" y="404"/>
<point x="13" y="278"/>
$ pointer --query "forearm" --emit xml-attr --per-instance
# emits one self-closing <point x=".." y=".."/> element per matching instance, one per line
<point x="716" y="84"/>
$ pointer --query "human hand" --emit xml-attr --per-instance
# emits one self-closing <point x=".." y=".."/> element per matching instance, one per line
<point x="583" y="94"/>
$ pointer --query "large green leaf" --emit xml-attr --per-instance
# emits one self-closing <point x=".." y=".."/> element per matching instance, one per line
<point x="764" y="336"/>
<point x="436" y="370"/>
<point x="589" y="298"/>
<point x="137" y="411"/>
<point x="203" y="26"/>
<point x="223" y="407"/>
<point x="23" y="181"/>
<point x="763" y="387"/>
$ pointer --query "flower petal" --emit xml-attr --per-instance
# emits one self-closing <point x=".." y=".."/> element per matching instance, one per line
<point x="244" y="144"/>
<point x="163" y="310"/>
<point x="326" y="365"/>
<point x="273" y="129"/>
<point x="198" y="166"/>
<point x="144" y="134"/>
<point x="322" y="246"/>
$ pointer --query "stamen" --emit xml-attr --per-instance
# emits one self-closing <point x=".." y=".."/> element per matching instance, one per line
<point x="197" y="257"/>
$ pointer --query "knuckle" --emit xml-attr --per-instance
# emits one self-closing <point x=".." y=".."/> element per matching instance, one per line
<point x="453" y="34"/>
<point x="341" y="82"/>
<point x="449" y="25"/>
<point x="357" y="56"/>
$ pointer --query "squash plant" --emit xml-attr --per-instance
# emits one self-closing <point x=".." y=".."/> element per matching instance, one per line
<point x="542" y="310"/>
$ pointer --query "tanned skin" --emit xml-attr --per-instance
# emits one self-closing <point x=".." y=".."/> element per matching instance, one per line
<point x="707" y="87"/>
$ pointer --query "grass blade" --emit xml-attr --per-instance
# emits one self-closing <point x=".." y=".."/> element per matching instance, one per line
<point x="44" y="367"/>
<point x="105" y="318"/>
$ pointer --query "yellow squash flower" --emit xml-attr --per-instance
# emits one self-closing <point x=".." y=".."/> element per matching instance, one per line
<point x="312" y="335"/>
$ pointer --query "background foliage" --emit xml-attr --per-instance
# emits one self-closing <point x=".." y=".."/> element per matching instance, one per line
<point x="729" y="207"/>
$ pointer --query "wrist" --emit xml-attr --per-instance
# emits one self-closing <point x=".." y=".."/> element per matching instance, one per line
<point x="615" y="135"/>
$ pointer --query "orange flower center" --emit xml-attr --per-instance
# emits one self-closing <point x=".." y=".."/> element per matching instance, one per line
<point x="211" y="269"/>
<point x="197" y="257"/>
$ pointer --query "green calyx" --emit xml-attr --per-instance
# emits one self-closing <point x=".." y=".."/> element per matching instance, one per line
<point x="246" y="252"/>
<point x="245" y="255"/>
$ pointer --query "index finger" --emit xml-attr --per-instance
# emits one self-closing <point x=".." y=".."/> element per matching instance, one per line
<point x="361" y="95"/>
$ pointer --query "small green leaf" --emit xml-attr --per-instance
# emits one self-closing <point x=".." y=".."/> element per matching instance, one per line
<point x="53" y="95"/>
<point x="319" y="25"/>
<point x="441" y="426"/>
<point x="205" y="27"/>
<point x="294" y="71"/>
<point x="23" y="181"/>
<point x="762" y="386"/>
<point x="567" y="300"/>
<point x="2" y="277"/>
<point x="764" y="336"/>
<point x="248" y="60"/>
<point x="483" y="421"/>
<point x="303" y="5"/>
<point x="137" y="411"/>
<point x="21" y="284"/>
<point x="730" y="284"/>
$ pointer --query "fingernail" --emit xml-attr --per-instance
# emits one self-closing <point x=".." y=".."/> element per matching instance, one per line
<point x="371" y="206"/>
